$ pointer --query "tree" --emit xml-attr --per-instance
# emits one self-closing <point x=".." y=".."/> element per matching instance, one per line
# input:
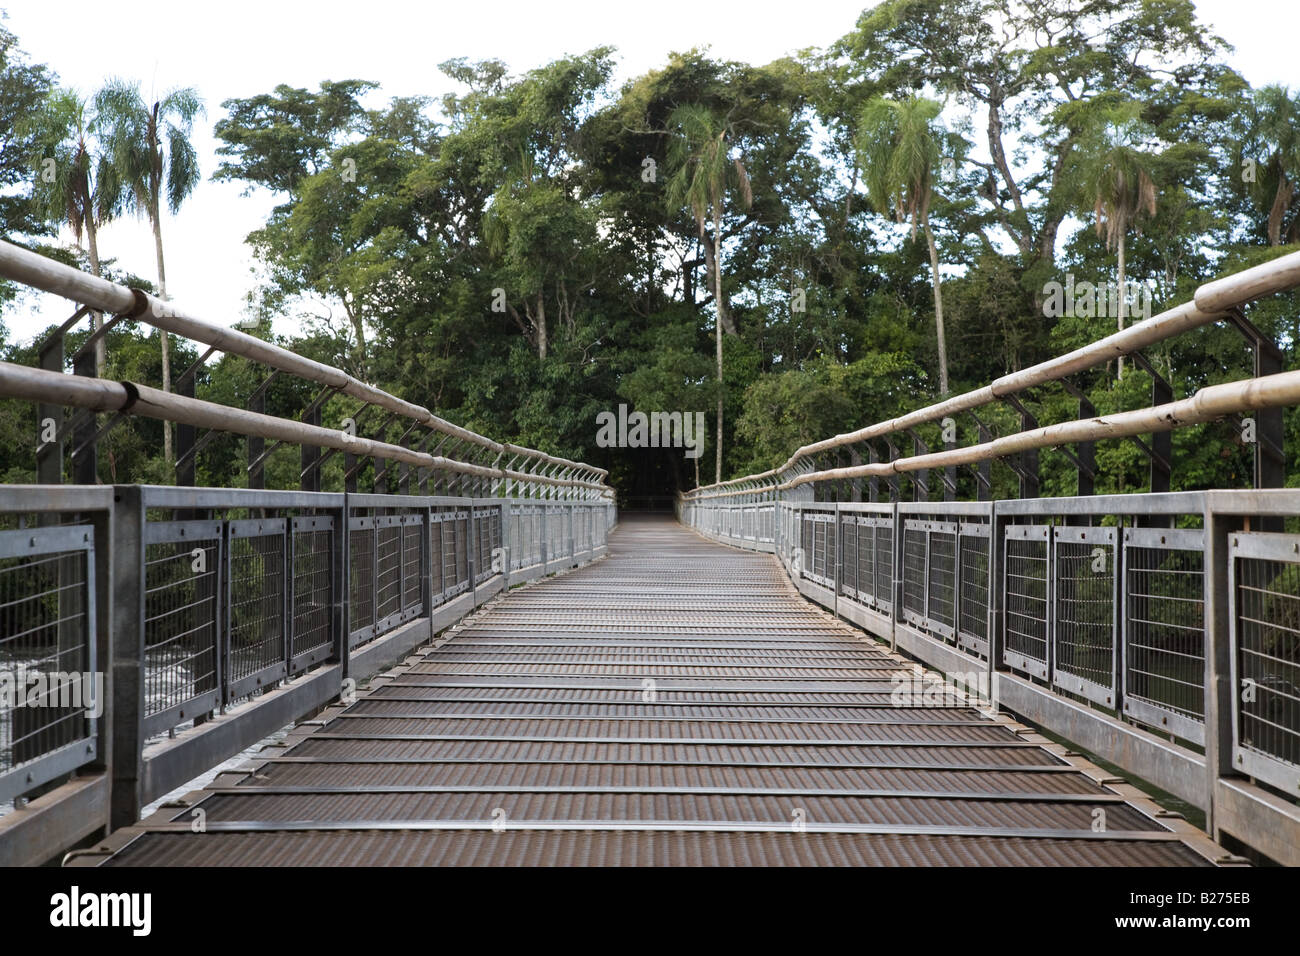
<point x="899" y="146"/>
<point x="83" y="188"/>
<point x="150" y="147"/>
<point x="279" y="139"/>
<point x="1274" y="129"/>
<point x="23" y="90"/>
<point x="1114" y="176"/>
<point x="703" y="173"/>
<point x="1015" y="61"/>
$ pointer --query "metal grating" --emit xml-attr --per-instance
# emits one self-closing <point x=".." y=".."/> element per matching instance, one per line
<point x="866" y="542"/>
<point x="914" y="562"/>
<point x="1084" y="622"/>
<point x="412" y="559"/>
<point x="973" y="606"/>
<point x="388" y="571"/>
<point x="884" y="594"/>
<point x="311" y="631"/>
<point x="437" y="562"/>
<point x="1025" y="586"/>
<point x="848" y="535"/>
<point x="1164" y="630"/>
<point x="47" y="654"/>
<point x="182" y="572"/>
<point x="1266" y="645"/>
<point x="941" y="579"/>
<point x="674" y="695"/>
<point x="257" y="602"/>
<point x="361" y="579"/>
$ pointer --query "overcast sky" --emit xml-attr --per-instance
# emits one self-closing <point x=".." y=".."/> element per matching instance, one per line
<point x="236" y="48"/>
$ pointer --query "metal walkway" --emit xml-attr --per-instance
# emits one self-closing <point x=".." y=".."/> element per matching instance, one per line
<point x="676" y="703"/>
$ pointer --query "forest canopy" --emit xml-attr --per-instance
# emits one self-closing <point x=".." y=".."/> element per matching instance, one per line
<point x="808" y="245"/>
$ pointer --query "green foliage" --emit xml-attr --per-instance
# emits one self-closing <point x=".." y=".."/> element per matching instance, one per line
<point x="526" y="251"/>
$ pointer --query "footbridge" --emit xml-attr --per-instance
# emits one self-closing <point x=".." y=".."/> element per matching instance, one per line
<point x="473" y="661"/>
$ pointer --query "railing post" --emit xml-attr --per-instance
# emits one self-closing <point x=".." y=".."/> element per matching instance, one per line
<point x="506" y="549"/>
<point x="126" y="643"/>
<point x="341" y="602"/>
<point x="1029" y="481"/>
<point x="85" y="467"/>
<point x="873" y="483"/>
<point x="49" y="455"/>
<point x="106" y="559"/>
<point x="1087" y="454"/>
<point x="1220" y="695"/>
<point x="838" y="559"/>
<point x="997" y="597"/>
<point x="185" y="436"/>
<point x="896" y="577"/>
<point x="471" y="545"/>
<point x="256" y="445"/>
<point x="1162" y="443"/>
<point x="310" y="455"/>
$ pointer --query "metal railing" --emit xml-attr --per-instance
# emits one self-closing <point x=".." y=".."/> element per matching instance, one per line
<point x="207" y="618"/>
<point x="1160" y="630"/>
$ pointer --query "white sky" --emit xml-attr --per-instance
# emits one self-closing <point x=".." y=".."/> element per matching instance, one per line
<point x="236" y="48"/>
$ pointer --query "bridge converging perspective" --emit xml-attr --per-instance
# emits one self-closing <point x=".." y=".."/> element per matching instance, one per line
<point x="479" y="660"/>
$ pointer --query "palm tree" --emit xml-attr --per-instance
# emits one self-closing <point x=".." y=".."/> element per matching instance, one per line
<point x="151" y="150"/>
<point x="85" y="190"/>
<point x="704" y="170"/>
<point x="1114" y="176"/>
<point x="1275" y="131"/>
<point x="899" y="144"/>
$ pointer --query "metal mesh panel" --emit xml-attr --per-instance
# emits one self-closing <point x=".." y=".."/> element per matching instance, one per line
<point x="412" y="590"/>
<point x="460" y="550"/>
<point x="45" y="631"/>
<point x="1267" y="621"/>
<point x="849" y="554"/>
<point x="914" y="541"/>
<point x="1026" y="597"/>
<point x="257" y="601"/>
<point x="313" y="592"/>
<point x="884" y="562"/>
<point x="822" y="542"/>
<point x="182" y="577"/>
<point x="1084" y="632"/>
<point x="866" y="552"/>
<point x="1164" y="631"/>
<point x="450" y="562"/>
<point x="973" y="608"/>
<point x="361" y="576"/>
<point x="805" y="544"/>
<point x="388" y="570"/>
<point x="941" y="594"/>
<point x="482" y="549"/>
<point x="487" y="542"/>
<point x="437" y="559"/>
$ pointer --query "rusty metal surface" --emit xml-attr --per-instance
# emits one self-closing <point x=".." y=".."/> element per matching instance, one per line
<point x="674" y="704"/>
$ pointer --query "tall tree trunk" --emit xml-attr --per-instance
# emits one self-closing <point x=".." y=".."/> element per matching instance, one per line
<point x="96" y="318"/>
<point x="712" y="260"/>
<point x="542" y="339"/>
<point x="717" y="329"/>
<point x="1277" y="212"/>
<point x="359" y="329"/>
<point x="938" y="309"/>
<point x="162" y="333"/>
<point x="1123" y="302"/>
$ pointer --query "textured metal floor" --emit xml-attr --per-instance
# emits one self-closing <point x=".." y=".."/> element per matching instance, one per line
<point x="676" y="703"/>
